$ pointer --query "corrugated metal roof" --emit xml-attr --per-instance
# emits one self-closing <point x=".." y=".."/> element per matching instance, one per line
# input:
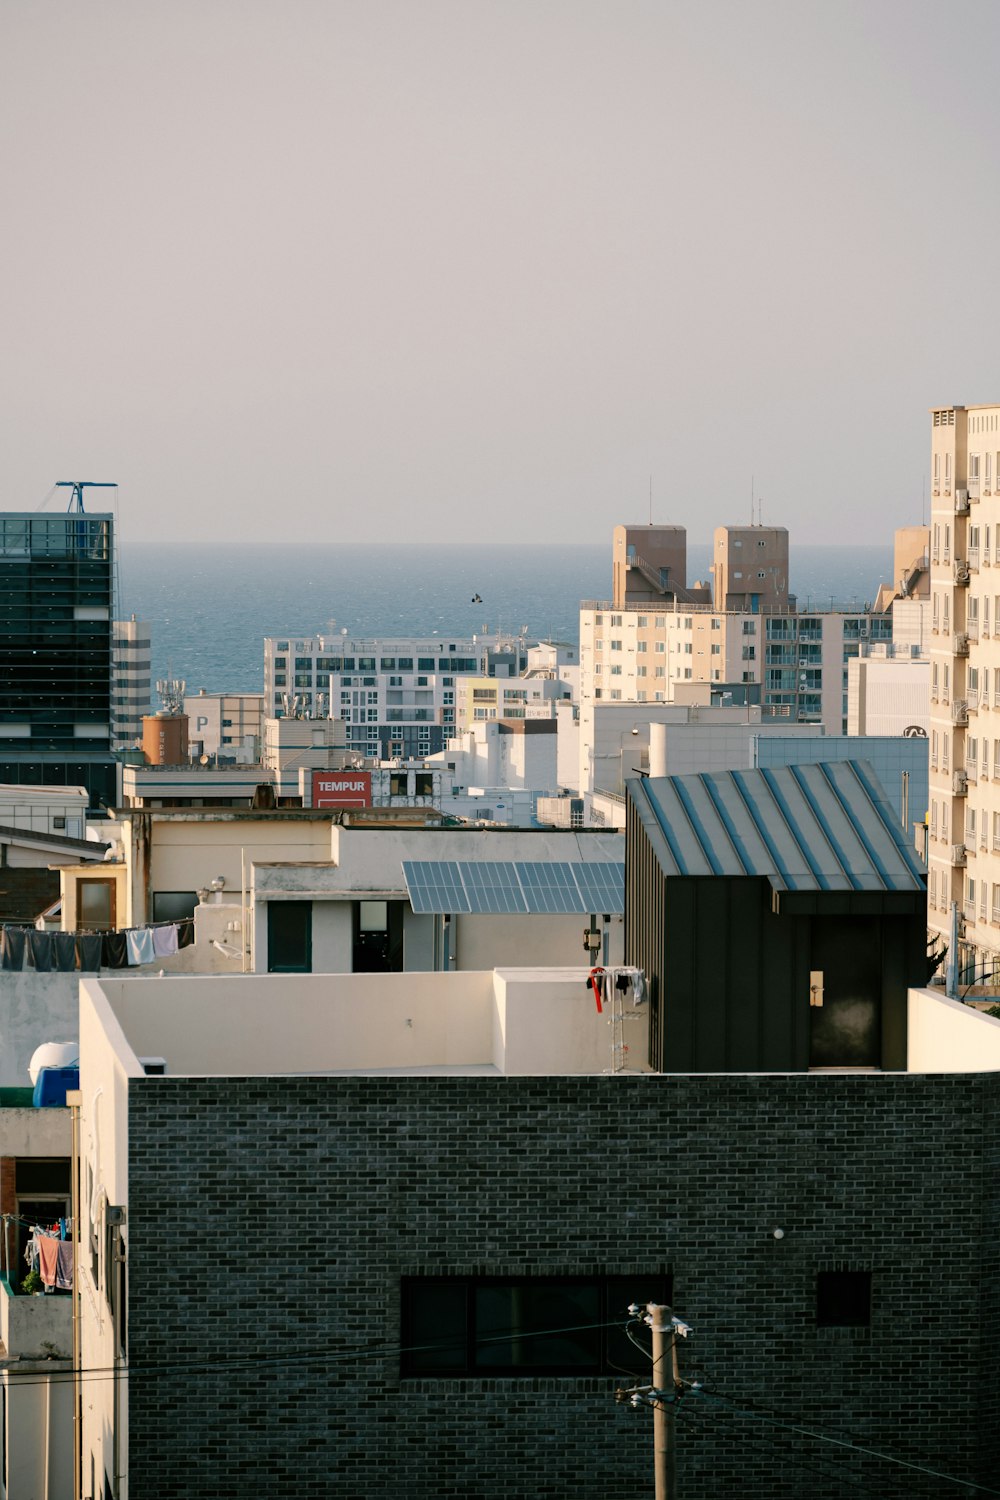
<point x="822" y="827"/>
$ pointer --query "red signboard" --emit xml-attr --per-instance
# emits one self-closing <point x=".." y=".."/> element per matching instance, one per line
<point x="342" y="789"/>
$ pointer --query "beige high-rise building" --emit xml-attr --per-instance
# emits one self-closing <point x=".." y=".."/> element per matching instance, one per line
<point x="964" y="814"/>
<point x="750" y="569"/>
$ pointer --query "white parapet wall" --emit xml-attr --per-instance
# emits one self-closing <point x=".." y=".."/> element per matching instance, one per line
<point x="510" y="1021"/>
<point x="945" y="1036"/>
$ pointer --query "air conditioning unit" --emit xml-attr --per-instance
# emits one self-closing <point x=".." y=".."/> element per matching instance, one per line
<point x="958" y="854"/>
<point x="960" y="783"/>
<point x="960" y="645"/>
<point x="961" y="572"/>
<point x="960" y="711"/>
<point x="961" y="502"/>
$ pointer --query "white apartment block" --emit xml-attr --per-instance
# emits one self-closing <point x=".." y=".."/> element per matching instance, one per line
<point x="647" y="653"/>
<point x="397" y="697"/>
<point x="130" y="681"/>
<point x="964" y="815"/>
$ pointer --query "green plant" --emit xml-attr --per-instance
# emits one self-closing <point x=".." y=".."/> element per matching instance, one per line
<point x="993" y="1010"/>
<point x="31" y="1284"/>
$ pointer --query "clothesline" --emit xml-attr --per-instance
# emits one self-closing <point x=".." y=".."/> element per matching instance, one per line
<point x="604" y="980"/>
<point x="31" y="1223"/>
<point x="116" y="948"/>
<point x="52" y="1257"/>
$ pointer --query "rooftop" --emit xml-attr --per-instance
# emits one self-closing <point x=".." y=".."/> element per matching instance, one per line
<point x="820" y="827"/>
<point x="501" y="1022"/>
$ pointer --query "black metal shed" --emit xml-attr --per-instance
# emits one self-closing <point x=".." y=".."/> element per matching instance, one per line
<point x="780" y="916"/>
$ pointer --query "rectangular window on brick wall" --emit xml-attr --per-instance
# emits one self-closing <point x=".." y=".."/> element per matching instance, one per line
<point x="523" y="1325"/>
<point x="843" y="1299"/>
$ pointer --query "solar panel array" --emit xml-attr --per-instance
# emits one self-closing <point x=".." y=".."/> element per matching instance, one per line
<point x="531" y="887"/>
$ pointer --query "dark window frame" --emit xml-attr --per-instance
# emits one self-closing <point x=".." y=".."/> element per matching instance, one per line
<point x="614" y="1355"/>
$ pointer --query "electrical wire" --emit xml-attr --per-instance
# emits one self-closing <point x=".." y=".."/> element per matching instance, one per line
<point x="787" y="1454"/>
<point x="321" y="1356"/>
<point x="847" y="1443"/>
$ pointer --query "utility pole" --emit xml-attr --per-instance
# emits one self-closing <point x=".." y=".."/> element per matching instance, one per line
<point x="666" y="1378"/>
<point x="664" y="1393"/>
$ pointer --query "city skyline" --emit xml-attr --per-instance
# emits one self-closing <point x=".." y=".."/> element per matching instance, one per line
<point x="442" y="272"/>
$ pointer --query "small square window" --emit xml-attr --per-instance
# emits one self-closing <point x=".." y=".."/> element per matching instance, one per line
<point x="843" y="1299"/>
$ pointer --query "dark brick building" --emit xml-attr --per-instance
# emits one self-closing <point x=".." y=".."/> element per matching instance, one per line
<point x="302" y="1253"/>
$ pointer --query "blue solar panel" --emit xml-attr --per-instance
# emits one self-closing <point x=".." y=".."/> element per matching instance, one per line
<point x="435" y="886"/>
<point x="528" y="887"/>
<point x="602" y="886"/>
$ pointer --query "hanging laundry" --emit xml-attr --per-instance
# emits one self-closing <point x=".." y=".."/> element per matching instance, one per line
<point x="64" y="1265"/>
<point x="622" y="981"/>
<point x="48" y="1258"/>
<point x="139" y="943"/>
<point x="185" y="932"/>
<point x="40" y="949"/>
<point x="64" y="952"/>
<point x="88" y="950"/>
<point x="165" y="940"/>
<point x="114" y="952"/>
<point x="12" y="948"/>
<point x="595" y="982"/>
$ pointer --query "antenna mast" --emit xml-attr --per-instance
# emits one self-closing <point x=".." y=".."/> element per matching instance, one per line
<point x="78" y="486"/>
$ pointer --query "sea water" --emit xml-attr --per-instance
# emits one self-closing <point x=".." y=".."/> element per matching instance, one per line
<point x="210" y="607"/>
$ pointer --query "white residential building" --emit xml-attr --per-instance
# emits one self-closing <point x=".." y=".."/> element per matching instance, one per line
<point x="964" y="817"/>
<point x="397" y="697"/>
<point x="798" y="662"/>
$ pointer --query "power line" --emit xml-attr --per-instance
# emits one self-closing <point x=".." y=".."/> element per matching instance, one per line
<point x="788" y="1453"/>
<point x="848" y="1443"/>
<point x="316" y="1356"/>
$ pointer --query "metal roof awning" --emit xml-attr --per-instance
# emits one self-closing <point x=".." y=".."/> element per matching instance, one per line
<point x="529" y="887"/>
<point x="824" y="827"/>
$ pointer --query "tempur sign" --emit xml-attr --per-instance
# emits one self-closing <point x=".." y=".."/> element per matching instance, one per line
<point x="342" y="789"/>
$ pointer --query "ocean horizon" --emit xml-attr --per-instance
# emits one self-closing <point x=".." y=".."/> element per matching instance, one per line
<point x="210" y="608"/>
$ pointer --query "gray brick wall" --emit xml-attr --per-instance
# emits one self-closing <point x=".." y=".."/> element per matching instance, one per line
<point x="271" y="1219"/>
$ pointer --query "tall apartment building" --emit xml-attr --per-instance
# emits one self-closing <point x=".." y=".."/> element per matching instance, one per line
<point x="964" y="815"/>
<point x="640" y="648"/>
<point x="56" y="609"/>
<point x="396" y="697"/>
<point x="131" y="665"/>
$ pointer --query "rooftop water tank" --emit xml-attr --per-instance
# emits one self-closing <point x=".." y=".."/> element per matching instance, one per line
<point x="53" y="1055"/>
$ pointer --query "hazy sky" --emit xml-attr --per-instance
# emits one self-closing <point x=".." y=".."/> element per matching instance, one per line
<point x="450" y="270"/>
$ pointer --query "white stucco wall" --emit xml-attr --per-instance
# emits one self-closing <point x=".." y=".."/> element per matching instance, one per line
<point x="546" y="1022"/>
<point x="489" y="942"/>
<point x="34" y="1008"/>
<point x="105" y="1060"/>
<point x="39" y="1419"/>
<point x="514" y="1020"/>
<point x="945" y="1036"/>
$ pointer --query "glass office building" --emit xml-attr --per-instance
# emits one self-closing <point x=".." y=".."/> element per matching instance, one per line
<point x="56" y="612"/>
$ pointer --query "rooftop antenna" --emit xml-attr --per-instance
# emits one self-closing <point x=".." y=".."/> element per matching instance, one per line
<point x="78" y="486"/>
<point x="650" y="499"/>
<point x="751" y="500"/>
